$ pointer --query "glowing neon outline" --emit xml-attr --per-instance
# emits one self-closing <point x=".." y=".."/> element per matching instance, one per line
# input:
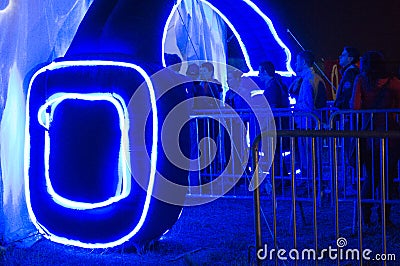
<point x="164" y="36"/>
<point x="7" y="7"/>
<point x="270" y="25"/>
<point x="153" y="156"/>
<point x="45" y="120"/>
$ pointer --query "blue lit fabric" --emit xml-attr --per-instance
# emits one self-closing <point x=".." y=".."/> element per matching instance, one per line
<point x="197" y="22"/>
<point x="196" y="32"/>
<point x="31" y="33"/>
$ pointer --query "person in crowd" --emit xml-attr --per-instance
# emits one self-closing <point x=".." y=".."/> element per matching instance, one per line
<point x="193" y="71"/>
<point x="237" y="97"/>
<point x="375" y="88"/>
<point x="173" y="61"/>
<point x="208" y="127"/>
<point x="277" y="96"/>
<point x="275" y="90"/>
<point x="348" y="61"/>
<point x="312" y="95"/>
<point x="232" y="98"/>
<point x="294" y="87"/>
<point x="312" y="92"/>
<point x="244" y="95"/>
<point x="234" y="78"/>
<point x="211" y="86"/>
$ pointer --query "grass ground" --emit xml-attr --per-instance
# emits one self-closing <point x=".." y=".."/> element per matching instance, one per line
<point x="218" y="233"/>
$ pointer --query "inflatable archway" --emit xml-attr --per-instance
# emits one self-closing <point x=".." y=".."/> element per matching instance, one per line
<point x="79" y="187"/>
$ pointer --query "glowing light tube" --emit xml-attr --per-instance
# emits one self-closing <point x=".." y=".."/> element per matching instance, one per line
<point x="45" y="119"/>
<point x="289" y="72"/>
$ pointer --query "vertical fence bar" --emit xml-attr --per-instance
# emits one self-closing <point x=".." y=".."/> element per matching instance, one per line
<point x="358" y="171"/>
<point x="383" y="197"/>
<point x="211" y="168"/>
<point x="335" y="190"/>
<point x="333" y="151"/>
<point x="292" y="147"/>
<point x="314" y="172"/>
<point x="274" y="200"/>
<point x="336" y="197"/>
<point x="256" y="198"/>
<point x="320" y="170"/>
<point x="198" y="173"/>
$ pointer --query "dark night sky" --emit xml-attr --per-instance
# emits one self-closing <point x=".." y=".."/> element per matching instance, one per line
<point x="326" y="26"/>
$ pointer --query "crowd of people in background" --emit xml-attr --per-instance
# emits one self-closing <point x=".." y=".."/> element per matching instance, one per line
<point x="365" y="84"/>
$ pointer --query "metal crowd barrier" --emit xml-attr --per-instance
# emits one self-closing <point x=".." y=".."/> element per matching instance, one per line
<point x="340" y="148"/>
<point x="209" y="124"/>
<point x="332" y="178"/>
<point x="341" y="128"/>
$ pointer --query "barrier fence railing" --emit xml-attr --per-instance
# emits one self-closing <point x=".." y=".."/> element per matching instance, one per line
<point x="382" y="136"/>
<point x="209" y="124"/>
<point x="323" y="172"/>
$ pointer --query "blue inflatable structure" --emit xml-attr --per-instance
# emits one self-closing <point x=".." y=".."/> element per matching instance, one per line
<point x="82" y="154"/>
<point x="93" y="158"/>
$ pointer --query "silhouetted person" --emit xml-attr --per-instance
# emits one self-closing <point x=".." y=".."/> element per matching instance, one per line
<point x="277" y="96"/>
<point x="312" y="95"/>
<point x="348" y="61"/>
<point x="374" y="88"/>
<point x="207" y="126"/>
<point x="275" y="90"/>
<point x="173" y="61"/>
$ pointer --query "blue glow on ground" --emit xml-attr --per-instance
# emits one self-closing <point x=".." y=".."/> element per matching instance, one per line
<point x="153" y="157"/>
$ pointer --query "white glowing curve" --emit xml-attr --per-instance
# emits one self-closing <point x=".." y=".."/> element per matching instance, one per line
<point x="271" y="27"/>
<point x="42" y="229"/>
<point x="46" y="119"/>
<point x="165" y="31"/>
<point x="7" y="8"/>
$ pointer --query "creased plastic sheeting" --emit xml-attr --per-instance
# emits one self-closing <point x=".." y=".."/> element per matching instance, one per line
<point x="32" y="32"/>
<point x="16" y="223"/>
<point x="196" y="32"/>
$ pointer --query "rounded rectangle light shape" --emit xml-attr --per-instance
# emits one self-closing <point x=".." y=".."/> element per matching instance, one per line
<point x="46" y="117"/>
<point x="78" y="222"/>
